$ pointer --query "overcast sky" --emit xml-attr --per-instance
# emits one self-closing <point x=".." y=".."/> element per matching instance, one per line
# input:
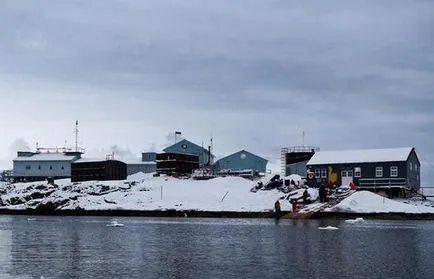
<point x="253" y="74"/>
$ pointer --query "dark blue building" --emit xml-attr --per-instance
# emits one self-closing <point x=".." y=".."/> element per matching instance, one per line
<point x="366" y="169"/>
<point x="190" y="148"/>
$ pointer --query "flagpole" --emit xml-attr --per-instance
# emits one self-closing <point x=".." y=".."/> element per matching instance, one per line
<point x="176" y="134"/>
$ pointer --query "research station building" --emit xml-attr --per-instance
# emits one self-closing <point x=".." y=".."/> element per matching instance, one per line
<point x="366" y="168"/>
<point x="189" y="148"/>
<point x="147" y="164"/>
<point x="44" y="163"/>
<point x="99" y="170"/>
<point x="241" y="161"/>
<point x="294" y="159"/>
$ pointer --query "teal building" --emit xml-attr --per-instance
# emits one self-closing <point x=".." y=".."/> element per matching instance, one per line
<point x="242" y="160"/>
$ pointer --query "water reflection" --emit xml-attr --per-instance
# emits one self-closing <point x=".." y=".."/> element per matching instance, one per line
<point x="84" y="247"/>
<point x="5" y="248"/>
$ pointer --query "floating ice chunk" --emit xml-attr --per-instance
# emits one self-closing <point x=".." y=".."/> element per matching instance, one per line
<point x="355" y="221"/>
<point x="329" y="228"/>
<point x="114" y="223"/>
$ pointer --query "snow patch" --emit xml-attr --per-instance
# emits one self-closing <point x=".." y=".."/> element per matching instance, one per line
<point x="145" y="192"/>
<point x="368" y="202"/>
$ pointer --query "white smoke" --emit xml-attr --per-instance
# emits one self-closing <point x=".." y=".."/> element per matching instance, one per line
<point x="171" y="138"/>
<point x="121" y="153"/>
<point x="20" y="145"/>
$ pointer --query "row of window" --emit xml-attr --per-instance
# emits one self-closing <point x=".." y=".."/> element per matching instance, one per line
<point x="29" y="167"/>
<point x="393" y="171"/>
<point x="322" y="173"/>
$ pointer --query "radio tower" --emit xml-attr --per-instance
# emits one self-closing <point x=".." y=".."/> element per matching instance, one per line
<point x="76" y="136"/>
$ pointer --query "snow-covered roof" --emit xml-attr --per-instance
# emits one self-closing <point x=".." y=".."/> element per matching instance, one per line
<point x="45" y="157"/>
<point x="360" y="156"/>
<point x="132" y="162"/>
<point x="88" y="160"/>
<point x="128" y="162"/>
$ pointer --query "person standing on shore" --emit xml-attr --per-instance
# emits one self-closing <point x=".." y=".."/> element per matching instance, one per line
<point x="277" y="210"/>
<point x="322" y="193"/>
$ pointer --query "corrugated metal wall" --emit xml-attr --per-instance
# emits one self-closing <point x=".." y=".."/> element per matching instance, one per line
<point x="145" y="168"/>
<point x="42" y="168"/>
<point x="98" y="170"/>
<point x="242" y="160"/>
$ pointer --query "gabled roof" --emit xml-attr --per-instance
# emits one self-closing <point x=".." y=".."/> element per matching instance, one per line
<point x="360" y="156"/>
<point x="243" y="151"/>
<point x="187" y="142"/>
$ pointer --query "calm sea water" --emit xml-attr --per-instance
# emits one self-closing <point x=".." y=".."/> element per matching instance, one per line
<point x="84" y="247"/>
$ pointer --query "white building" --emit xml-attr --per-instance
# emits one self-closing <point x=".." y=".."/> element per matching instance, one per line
<point x="34" y="166"/>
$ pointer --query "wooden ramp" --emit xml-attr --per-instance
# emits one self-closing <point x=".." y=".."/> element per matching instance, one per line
<point x="306" y="211"/>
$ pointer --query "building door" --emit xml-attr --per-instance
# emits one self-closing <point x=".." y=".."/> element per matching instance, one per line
<point x="347" y="177"/>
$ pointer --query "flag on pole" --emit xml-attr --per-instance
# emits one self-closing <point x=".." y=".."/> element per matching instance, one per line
<point x="177" y="133"/>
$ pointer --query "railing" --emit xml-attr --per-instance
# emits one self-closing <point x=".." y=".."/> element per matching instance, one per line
<point x="59" y="149"/>
<point x="430" y="195"/>
<point x="303" y="148"/>
<point x="382" y="182"/>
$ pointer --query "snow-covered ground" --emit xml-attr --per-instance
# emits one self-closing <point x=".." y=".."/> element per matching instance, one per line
<point x="145" y="192"/>
<point x="368" y="202"/>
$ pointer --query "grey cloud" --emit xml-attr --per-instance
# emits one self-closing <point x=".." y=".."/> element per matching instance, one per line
<point x="253" y="73"/>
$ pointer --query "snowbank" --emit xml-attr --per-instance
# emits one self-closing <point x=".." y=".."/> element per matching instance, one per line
<point x="295" y="177"/>
<point x="145" y="192"/>
<point x="368" y="202"/>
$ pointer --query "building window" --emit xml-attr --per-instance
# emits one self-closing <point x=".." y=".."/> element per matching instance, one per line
<point x="317" y="173"/>
<point x="415" y="167"/>
<point x="28" y="167"/>
<point x="358" y="172"/>
<point x="51" y="167"/>
<point x="323" y="173"/>
<point x="39" y="167"/>
<point x="379" y="172"/>
<point x="411" y="166"/>
<point x="63" y="168"/>
<point x="394" y="171"/>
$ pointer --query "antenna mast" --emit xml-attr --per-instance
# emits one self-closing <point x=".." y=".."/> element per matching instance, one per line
<point x="76" y="136"/>
<point x="211" y="151"/>
<point x="303" y="137"/>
